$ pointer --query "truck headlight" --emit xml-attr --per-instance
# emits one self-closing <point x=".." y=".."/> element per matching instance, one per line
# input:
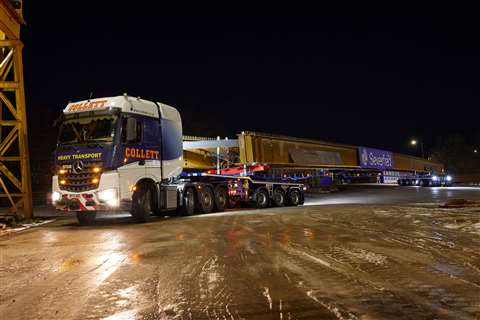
<point x="434" y="178"/>
<point x="107" y="195"/>
<point x="449" y="178"/>
<point x="55" y="196"/>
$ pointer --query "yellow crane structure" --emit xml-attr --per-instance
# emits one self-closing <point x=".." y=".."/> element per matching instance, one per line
<point x="15" y="179"/>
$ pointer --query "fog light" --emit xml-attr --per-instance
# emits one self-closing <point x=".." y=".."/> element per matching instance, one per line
<point x="109" y="196"/>
<point x="55" y="196"/>
<point x="113" y="203"/>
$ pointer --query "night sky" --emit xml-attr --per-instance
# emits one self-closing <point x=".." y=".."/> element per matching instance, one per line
<point x="364" y="78"/>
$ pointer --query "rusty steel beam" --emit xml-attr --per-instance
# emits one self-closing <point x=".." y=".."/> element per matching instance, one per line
<point x="16" y="183"/>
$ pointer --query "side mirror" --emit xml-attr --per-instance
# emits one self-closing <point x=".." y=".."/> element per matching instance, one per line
<point x="131" y="129"/>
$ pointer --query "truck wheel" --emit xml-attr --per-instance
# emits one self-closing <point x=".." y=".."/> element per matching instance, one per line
<point x="142" y="204"/>
<point x="221" y="198"/>
<point x="86" y="218"/>
<point x="278" y="197"/>
<point x="189" y="202"/>
<point x="294" y="198"/>
<point x="206" y="200"/>
<point x="260" y="198"/>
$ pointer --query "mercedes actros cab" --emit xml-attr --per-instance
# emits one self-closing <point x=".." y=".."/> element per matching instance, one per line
<point x="125" y="153"/>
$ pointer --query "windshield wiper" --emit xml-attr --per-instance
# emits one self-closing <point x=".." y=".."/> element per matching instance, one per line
<point x="65" y="146"/>
<point x="98" y="142"/>
<point x="91" y="142"/>
<point x="94" y="143"/>
<point x="67" y="143"/>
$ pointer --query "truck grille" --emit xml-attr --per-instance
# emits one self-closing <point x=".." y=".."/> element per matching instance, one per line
<point x="80" y="177"/>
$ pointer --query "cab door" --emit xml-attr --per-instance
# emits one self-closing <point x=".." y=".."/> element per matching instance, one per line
<point x="133" y="167"/>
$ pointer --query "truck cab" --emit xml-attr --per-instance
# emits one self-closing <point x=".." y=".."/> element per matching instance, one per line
<point x="107" y="146"/>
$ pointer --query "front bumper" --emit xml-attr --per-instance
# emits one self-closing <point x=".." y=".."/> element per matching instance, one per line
<point x="89" y="200"/>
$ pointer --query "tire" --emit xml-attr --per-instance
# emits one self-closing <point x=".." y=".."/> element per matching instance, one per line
<point x="293" y="198"/>
<point x="278" y="198"/>
<point x="206" y="200"/>
<point x="221" y="198"/>
<point x="142" y="204"/>
<point x="86" y="218"/>
<point x="401" y="182"/>
<point x="261" y="198"/>
<point x="426" y="183"/>
<point x="189" y="202"/>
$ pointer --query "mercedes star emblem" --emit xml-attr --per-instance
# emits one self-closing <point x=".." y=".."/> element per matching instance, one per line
<point x="77" y="166"/>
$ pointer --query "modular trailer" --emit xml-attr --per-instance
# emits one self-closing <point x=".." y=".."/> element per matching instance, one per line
<point x="125" y="153"/>
<point x="291" y="157"/>
<point x="426" y="180"/>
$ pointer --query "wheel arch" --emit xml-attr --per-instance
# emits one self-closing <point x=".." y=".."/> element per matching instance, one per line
<point x="147" y="181"/>
<point x="261" y="186"/>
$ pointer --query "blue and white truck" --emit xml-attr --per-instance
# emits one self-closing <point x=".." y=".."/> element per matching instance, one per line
<point x="126" y="153"/>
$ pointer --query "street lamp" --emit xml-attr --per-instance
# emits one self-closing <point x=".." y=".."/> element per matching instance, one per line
<point x="415" y="142"/>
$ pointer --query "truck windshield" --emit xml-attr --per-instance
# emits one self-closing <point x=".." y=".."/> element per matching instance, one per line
<point x="88" y="129"/>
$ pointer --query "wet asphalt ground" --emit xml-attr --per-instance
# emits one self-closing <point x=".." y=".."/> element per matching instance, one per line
<point x="395" y="256"/>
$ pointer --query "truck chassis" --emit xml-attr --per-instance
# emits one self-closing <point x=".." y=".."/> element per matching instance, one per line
<point x="198" y="195"/>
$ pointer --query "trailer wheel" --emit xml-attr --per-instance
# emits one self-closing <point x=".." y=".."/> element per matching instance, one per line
<point x="426" y="183"/>
<point x="221" y="198"/>
<point x="142" y="204"/>
<point x="86" y="218"/>
<point x="189" y="200"/>
<point x="278" y="197"/>
<point x="206" y="200"/>
<point x="294" y="197"/>
<point x="260" y="198"/>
